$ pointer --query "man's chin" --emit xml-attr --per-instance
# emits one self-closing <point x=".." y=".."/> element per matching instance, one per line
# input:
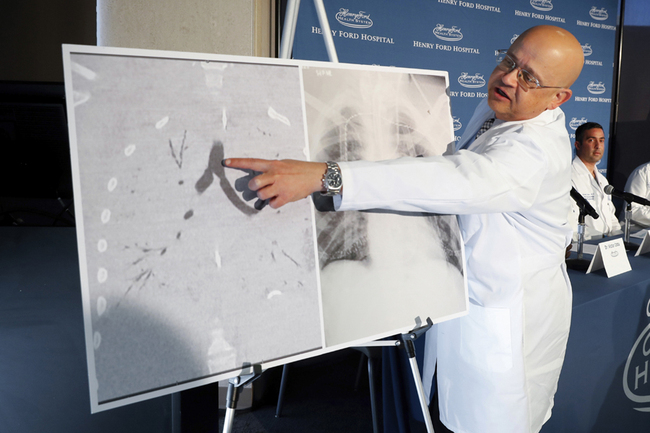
<point x="496" y="105"/>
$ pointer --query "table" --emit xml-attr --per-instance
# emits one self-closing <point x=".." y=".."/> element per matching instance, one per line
<point x="611" y="317"/>
<point x="610" y="328"/>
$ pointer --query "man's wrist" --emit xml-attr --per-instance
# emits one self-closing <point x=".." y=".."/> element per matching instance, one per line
<point x="332" y="180"/>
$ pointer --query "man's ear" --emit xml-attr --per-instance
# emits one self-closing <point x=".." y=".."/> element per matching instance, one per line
<point x="577" y="145"/>
<point x="560" y="98"/>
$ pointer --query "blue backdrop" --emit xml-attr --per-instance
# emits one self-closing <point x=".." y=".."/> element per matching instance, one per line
<point x="461" y="37"/>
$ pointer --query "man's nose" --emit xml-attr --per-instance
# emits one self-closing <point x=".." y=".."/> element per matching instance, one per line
<point x="511" y="78"/>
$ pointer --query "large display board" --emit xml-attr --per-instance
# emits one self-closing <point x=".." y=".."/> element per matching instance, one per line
<point x="462" y="37"/>
<point x="185" y="281"/>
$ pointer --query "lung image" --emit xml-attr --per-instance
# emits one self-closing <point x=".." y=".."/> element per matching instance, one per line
<point x="369" y="258"/>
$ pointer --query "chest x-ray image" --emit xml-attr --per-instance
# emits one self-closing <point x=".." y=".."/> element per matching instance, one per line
<point x="185" y="280"/>
<point x="368" y="258"/>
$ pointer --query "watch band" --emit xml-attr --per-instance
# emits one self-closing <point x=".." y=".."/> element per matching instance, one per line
<point x="332" y="181"/>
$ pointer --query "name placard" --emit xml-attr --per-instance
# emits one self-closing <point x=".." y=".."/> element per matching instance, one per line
<point x="612" y="256"/>
<point x="645" y="245"/>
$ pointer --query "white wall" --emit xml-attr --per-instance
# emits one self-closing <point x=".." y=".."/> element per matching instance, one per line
<point x="32" y="31"/>
<point x="209" y="26"/>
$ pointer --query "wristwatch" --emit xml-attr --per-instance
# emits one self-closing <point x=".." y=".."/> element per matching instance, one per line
<point x="332" y="181"/>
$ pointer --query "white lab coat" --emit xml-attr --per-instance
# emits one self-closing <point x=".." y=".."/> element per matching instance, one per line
<point x="498" y="366"/>
<point x="638" y="183"/>
<point x="592" y="189"/>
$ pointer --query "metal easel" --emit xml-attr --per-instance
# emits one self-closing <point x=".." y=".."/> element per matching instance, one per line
<point x="289" y="29"/>
<point x="407" y="339"/>
<point x="286" y="44"/>
<point x="232" y="396"/>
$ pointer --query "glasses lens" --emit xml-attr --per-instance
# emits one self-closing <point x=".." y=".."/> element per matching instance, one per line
<point x="528" y="80"/>
<point x="506" y="63"/>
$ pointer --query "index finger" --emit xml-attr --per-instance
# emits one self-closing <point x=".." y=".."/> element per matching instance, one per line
<point x="261" y="165"/>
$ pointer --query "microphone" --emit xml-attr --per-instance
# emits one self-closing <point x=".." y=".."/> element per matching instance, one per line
<point x="583" y="204"/>
<point x="630" y="198"/>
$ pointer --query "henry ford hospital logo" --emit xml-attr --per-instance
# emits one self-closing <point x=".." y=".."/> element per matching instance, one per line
<point x="447" y="34"/>
<point x="586" y="50"/>
<point x="457" y="124"/>
<point x="636" y="373"/>
<point x="472" y="81"/>
<point x="596" y="88"/>
<point x="598" y="14"/>
<point x="542" y="5"/>
<point x="359" y="20"/>
<point x="575" y="122"/>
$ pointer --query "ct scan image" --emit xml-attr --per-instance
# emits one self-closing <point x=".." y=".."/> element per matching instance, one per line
<point x="187" y="279"/>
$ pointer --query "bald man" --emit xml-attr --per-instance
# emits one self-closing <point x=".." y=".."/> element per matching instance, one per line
<point x="499" y="365"/>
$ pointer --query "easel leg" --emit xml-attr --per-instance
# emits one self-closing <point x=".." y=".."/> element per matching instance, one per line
<point x="283" y="387"/>
<point x="176" y="412"/>
<point x="289" y="29"/>
<point x="233" y="395"/>
<point x="410" y="350"/>
<point x="327" y="33"/>
<point x="231" y="403"/>
<point x="373" y="400"/>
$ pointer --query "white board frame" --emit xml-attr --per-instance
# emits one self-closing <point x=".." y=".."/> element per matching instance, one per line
<point x="69" y="67"/>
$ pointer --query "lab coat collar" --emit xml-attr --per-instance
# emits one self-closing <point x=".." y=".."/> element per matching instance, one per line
<point x="484" y="112"/>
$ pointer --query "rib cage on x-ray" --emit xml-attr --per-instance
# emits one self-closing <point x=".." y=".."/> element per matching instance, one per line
<point x="381" y="127"/>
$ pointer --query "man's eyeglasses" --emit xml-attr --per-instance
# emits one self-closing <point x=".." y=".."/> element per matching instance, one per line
<point x="525" y="78"/>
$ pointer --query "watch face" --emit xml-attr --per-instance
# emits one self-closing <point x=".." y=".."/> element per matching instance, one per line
<point x="334" y="180"/>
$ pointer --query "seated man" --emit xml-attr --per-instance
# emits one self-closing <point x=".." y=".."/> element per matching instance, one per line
<point x="587" y="180"/>
<point x="639" y="184"/>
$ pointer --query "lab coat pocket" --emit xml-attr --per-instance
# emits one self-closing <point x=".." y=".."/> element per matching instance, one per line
<point x="486" y="342"/>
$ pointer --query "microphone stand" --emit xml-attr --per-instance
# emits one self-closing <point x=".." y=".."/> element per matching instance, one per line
<point x="629" y="246"/>
<point x="580" y="264"/>
<point x="629" y="199"/>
